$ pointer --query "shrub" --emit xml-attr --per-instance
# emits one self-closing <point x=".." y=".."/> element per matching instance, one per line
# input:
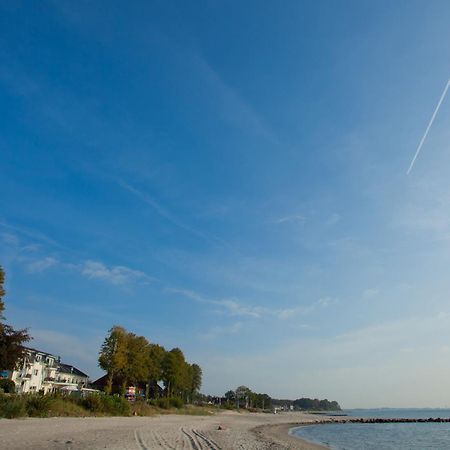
<point x="34" y="405"/>
<point x="66" y="407"/>
<point x="163" y="403"/>
<point x="37" y="405"/>
<point x="106" y="404"/>
<point x="92" y="403"/>
<point x="168" y="402"/>
<point x="228" y="406"/>
<point x="176" y="402"/>
<point x="115" y="405"/>
<point x="7" y="386"/>
<point x="12" y="407"/>
<point x="143" y="408"/>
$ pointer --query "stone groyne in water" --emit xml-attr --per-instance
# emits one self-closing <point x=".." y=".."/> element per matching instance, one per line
<point x="380" y="420"/>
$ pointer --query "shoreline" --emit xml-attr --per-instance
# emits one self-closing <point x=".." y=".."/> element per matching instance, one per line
<point x="279" y="434"/>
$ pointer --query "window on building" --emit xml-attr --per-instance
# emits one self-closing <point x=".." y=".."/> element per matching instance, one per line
<point x="36" y="371"/>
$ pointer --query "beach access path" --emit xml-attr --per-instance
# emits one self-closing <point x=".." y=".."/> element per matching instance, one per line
<point x="221" y="431"/>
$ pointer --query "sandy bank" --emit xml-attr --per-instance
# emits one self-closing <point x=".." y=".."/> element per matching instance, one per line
<point x="226" y="430"/>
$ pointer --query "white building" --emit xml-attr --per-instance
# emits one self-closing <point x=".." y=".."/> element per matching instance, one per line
<point x="44" y="372"/>
<point x="70" y="376"/>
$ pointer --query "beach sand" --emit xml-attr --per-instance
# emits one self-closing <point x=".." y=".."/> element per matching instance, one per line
<point x="225" y="430"/>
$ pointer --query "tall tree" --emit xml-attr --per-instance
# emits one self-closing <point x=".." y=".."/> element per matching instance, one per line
<point x="156" y="356"/>
<point x="137" y="359"/>
<point x="2" y="292"/>
<point x="113" y="357"/>
<point x="243" y="393"/>
<point x="230" y="396"/>
<point x="174" y="372"/>
<point x="11" y="340"/>
<point x="196" y="379"/>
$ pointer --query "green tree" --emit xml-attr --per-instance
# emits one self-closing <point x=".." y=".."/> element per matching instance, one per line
<point x="243" y="395"/>
<point x="11" y="340"/>
<point x="155" y="359"/>
<point x="2" y="292"/>
<point x="156" y="354"/>
<point x="196" y="379"/>
<point x="174" y="372"/>
<point x="137" y="357"/>
<point x="113" y="357"/>
<point x="230" y="396"/>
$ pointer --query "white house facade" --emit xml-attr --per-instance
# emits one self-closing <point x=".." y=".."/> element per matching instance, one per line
<point x="43" y="372"/>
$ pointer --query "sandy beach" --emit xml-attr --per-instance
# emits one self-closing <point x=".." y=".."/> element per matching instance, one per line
<point x="226" y="430"/>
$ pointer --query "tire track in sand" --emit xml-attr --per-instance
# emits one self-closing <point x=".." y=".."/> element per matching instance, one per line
<point x="209" y="442"/>
<point x="193" y="443"/>
<point x="139" y="441"/>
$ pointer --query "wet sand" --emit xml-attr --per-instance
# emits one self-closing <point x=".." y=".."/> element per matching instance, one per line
<point x="226" y="430"/>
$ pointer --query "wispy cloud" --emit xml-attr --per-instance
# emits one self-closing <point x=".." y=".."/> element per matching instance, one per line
<point x="294" y="218"/>
<point x="42" y="264"/>
<point x="288" y="313"/>
<point x="234" y="307"/>
<point x="117" y="275"/>
<point x="28" y="256"/>
<point x="231" y="306"/>
<point x="370" y="293"/>
<point x="220" y="330"/>
<point x="149" y="201"/>
<point x="333" y="219"/>
<point x="33" y="234"/>
<point x="10" y="239"/>
<point x="229" y="102"/>
<point x="163" y="212"/>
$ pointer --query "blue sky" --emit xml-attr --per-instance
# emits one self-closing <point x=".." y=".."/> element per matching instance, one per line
<point x="230" y="178"/>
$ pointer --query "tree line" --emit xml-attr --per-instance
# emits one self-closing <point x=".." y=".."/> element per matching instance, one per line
<point x="315" y="404"/>
<point x="129" y="359"/>
<point x="309" y="404"/>
<point x="244" y="397"/>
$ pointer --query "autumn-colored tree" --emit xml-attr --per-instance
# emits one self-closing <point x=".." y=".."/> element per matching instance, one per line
<point x="137" y="357"/>
<point x="2" y="292"/>
<point x="156" y="357"/>
<point x="11" y="340"/>
<point x="113" y="357"/>
<point x="196" y="379"/>
<point x="131" y="359"/>
<point x="174" y="372"/>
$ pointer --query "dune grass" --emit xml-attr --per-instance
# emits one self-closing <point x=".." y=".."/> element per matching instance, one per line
<point x="35" y="405"/>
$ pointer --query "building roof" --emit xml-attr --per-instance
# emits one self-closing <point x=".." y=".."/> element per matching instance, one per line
<point x="29" y="349"/>
<point x="66" y="368"/>
<point x="63" y="368"/>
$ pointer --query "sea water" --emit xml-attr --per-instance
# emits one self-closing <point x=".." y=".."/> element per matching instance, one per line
<point x="382" y="436"/>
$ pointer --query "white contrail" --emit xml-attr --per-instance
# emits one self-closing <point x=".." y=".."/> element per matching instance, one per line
<point x="428" y="127"/>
